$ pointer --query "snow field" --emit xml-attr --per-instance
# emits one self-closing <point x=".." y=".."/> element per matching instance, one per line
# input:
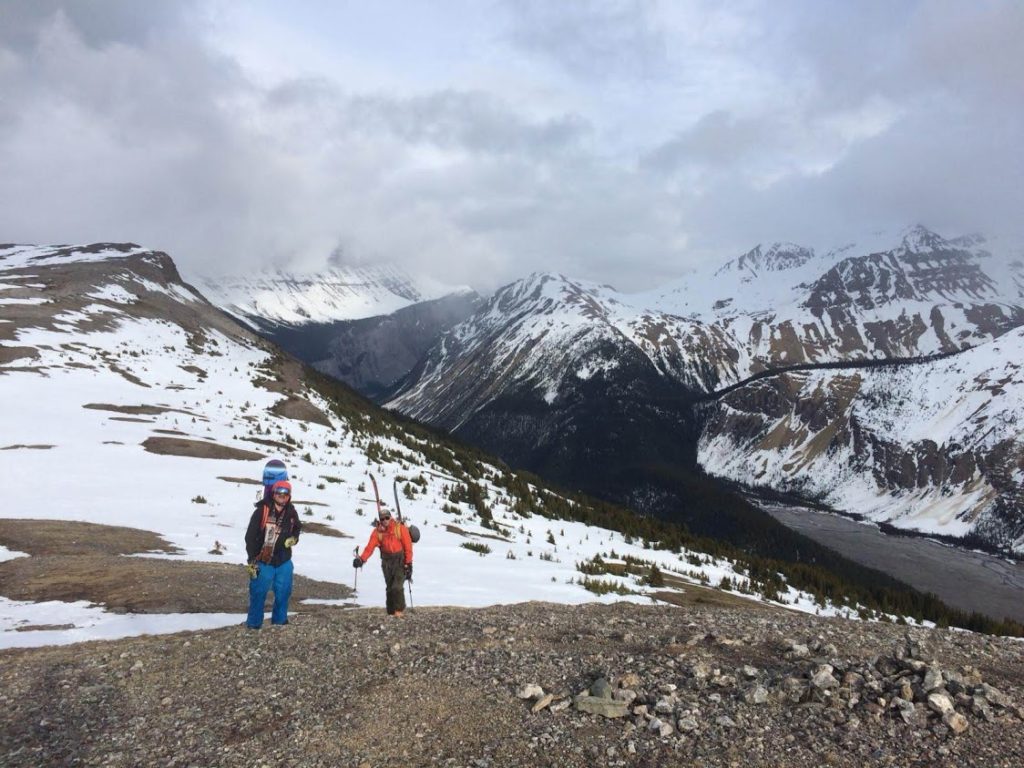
<point x="98" y="472"/>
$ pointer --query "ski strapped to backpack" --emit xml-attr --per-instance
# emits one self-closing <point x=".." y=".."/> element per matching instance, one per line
<point x="414" y="532"/>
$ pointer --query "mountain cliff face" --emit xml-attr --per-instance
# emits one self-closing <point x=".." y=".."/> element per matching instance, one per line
<point x="372" y="354"/>
<point x="549" y="356"/>
<point x="934" y="447"/>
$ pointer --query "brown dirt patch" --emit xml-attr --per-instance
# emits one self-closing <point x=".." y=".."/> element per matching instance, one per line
<point x="324" y="530"/>
<point x="43" y="627"/>
<point x="143" y="585"/>
<point x="693" y="594"/>
<point x="196" y="449"/>
<point x="135" y="410"/>
<point x="83" y="561"/>
<point x="131" y="419"/>
<point x="242" y="480"/>
<point x="65" y="537"/>
<point x="286" y="377"/>
<point x="10" y="354"/>
<point x="300" y="410"/>
<point x="39" y="447"/>
<point x="455" y="529"/>
<point x="194" y="369"/>
<point x="270" y="443"/>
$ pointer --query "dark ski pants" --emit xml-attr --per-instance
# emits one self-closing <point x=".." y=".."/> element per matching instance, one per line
<point x="269" y="578"/>
<point x="394" y="580"/>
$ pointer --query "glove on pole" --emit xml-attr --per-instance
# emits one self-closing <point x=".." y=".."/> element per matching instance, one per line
<point x="355" y="568"/>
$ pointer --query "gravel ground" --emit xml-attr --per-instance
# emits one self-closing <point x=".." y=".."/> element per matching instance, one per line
<point x="444" y="686"/>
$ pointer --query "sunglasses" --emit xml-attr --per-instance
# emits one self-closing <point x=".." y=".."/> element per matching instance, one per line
<point x="383" y="518"/>
<point x="282" y="493"/>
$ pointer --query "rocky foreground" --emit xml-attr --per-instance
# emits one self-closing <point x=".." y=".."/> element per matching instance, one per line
<point x="522" y="685"/>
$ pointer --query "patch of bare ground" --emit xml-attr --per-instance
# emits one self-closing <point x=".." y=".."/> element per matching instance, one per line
<point x="462" y="532"/>
<point x="196" y="449"/>
<point x="135" y="410"/>
<point x="176" y="432"/>
<point x="270" y="443"/>
<point x="10" y="354"/>
<point x="300" y="409"/>
<point x="33" y="447"/>
<point x="324" y="530"/>
<point x="194" y="369"/>
<point x="83" y="561"/>
<point x="127" y="375"/>
<point x="285" y="378"/>
<point x="131" y="419"/>
<point x="142" y="585"/>
<point x="704" y="686"/>
<point x="65" y="537"/>
<point x="241" y="480"/>
<point x="43" y="627"/>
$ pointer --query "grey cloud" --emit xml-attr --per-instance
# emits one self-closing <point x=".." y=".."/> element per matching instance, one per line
<point x="718" y="139"/>
<point x="98" y="22"/>
<point x="144" y="132"/>
<point x="473" y="121"/>
<point x="606" y="38"/>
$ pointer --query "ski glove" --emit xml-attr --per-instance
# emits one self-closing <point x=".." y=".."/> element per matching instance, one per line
<point x="408" y="571"/>
<point x="253" y="570"/>
<point x="357" y="563"/>
<point x="290" y="542"/>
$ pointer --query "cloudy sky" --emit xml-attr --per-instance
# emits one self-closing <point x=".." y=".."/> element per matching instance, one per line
<point x="479" y="140"/>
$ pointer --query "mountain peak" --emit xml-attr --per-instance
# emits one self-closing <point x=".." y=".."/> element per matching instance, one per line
<point x="919" y="238"/>
<point x="776" y="257"/>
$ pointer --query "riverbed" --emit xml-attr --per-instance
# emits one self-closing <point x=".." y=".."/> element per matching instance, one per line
<point x="964" y="579"/>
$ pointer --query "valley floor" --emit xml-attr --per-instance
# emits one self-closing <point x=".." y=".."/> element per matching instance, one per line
<point x="964" y="579"/>
<point x="700" y="685"/>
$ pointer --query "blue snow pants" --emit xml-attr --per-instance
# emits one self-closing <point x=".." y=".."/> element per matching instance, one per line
<point x="269" y="578"/>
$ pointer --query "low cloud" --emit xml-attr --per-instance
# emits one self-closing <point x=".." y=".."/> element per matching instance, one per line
<point x="686" y="135"/>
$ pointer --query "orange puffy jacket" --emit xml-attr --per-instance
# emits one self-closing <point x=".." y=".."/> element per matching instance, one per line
<point x="392" y="538"/>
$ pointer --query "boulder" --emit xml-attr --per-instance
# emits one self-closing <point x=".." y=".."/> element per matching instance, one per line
<point x="598" y="705"/>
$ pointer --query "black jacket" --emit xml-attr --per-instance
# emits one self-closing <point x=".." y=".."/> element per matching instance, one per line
<point x="254" y="535"/>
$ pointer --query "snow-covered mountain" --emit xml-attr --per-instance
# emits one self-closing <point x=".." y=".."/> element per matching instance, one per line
<point x="935" y="446"/>
<point x="130" y="400"/>
<point x="335" y="293"/>
<point x="550" y="360"/>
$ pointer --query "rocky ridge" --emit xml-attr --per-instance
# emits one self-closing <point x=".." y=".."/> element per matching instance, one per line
<point x="523" y="685"/>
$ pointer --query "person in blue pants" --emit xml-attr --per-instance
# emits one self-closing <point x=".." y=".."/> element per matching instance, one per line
<point x="273" y="531"/>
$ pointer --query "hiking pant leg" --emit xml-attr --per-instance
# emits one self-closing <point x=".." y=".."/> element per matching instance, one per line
<point x="282" y="592"/>
<point x="258" y="589"/>
<point x="394" y="581"/>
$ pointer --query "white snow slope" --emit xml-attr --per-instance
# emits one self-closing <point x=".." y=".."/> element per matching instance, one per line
<point x="115" y="327"/>
<point x="336" y="293"/>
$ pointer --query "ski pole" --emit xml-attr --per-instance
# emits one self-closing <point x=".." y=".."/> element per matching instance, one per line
<point x="355" y="578"/>
<point x="412" y="606"/>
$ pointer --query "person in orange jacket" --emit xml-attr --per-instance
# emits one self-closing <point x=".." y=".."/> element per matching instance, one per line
<point x="395" y="558"/>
